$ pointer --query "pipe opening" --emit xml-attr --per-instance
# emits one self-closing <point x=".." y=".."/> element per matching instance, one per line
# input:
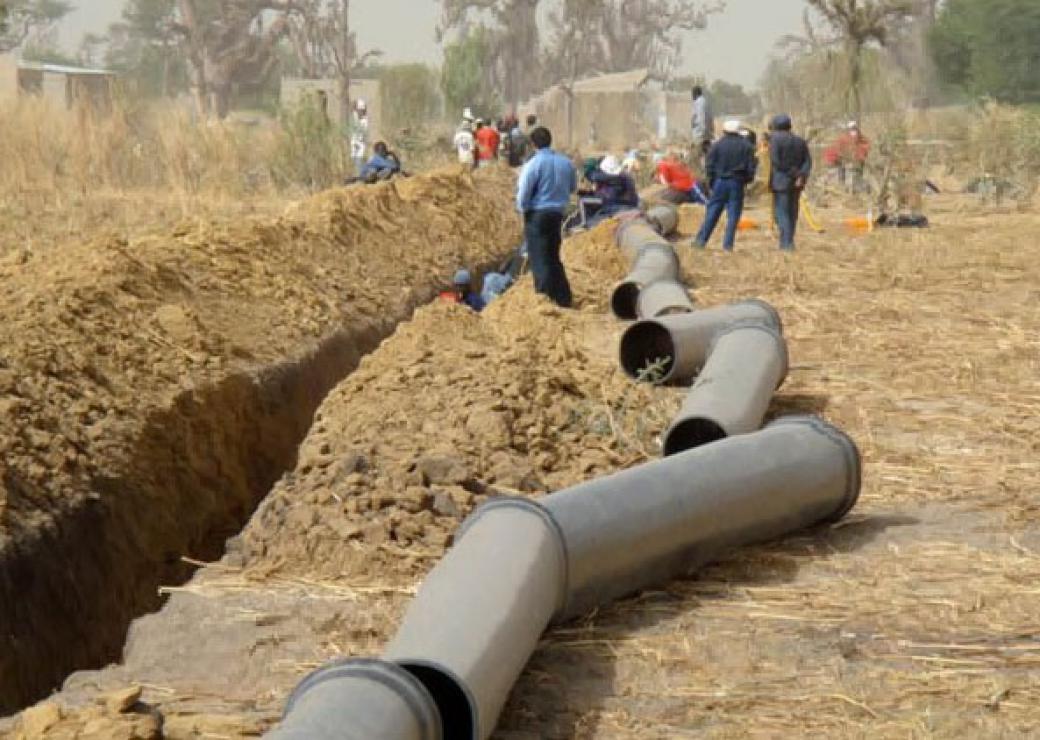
<point x="689" y="434"/>
<point x="648" y="352"/>
<point x="458" y="714"/>
<point x="623" y="301"/>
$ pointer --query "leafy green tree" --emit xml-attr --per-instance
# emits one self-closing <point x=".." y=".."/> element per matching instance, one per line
<point x="727" y="97"/>
<point x="990" y="48"/>
<point x="409" y="95"/>
<point x="146" y="47"/>
<point x="466" y="79"/>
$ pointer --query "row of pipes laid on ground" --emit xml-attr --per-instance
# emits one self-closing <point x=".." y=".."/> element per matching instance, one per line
<point x="519" y="566"/>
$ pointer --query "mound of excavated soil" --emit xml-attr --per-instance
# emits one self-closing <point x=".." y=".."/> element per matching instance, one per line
<point x="152" y="391"/>
<point x="912" y="617"/>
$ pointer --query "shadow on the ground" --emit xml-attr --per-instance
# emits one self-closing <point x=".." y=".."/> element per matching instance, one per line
<point x="571" y="678"/>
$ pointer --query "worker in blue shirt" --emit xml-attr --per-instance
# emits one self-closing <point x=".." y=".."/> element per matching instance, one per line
<point x="381" y="166"/>
<point x="731" y="167"/>
<point x="543" y="195"/>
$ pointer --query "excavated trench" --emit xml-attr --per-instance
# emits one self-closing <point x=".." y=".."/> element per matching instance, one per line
<point x="202" y="466"/>
<point x="69" y="591"/>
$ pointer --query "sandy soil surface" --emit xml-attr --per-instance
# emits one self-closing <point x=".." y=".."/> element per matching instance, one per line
<point x="915" y="617"/>
<point x="152" y="390"/>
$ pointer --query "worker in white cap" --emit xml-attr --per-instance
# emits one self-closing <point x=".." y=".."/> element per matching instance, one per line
<point x="359" y="135"/>
<point x="731" y="166"/>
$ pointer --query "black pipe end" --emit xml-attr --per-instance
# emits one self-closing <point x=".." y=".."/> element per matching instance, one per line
<point x="853" y="460"/>
<point x="624" y="300"/>
<point x="691" y="433"/>
<point x="647" y="352"/>
<point x="458" y="709"/>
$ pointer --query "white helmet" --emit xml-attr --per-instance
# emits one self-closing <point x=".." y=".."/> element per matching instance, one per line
<point x="611" y="165"/>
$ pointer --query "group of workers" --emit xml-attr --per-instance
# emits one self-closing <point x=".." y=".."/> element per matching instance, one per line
<point x="480" y="143"/>
<point x="383" y="164"/>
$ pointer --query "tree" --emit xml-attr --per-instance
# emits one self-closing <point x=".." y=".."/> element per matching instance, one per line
<point x="857" y="25"/>
<point x="466" y="77"/>
<point x="990" y="48"/>
<point x="603" y="36"/>
<point x="325" y="45"/>
<point x="147" y="48"/>
<point x="21" y="20"/>
<point x="229" y="41"/>
<point x="510" y="30"/>
<point x="409" y="95"/>
<point x="728" y="97"/>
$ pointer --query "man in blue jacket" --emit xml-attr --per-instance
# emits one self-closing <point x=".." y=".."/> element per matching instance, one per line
<point x="382" y="166"/>
<point x="543" y="195"/>
<point x="791" y="166"/>
<point x="731" y="166"/>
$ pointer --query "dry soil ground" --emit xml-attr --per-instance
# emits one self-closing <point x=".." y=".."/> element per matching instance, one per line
<point x="918" y="616"/>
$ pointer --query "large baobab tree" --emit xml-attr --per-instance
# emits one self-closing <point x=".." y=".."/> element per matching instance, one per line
<point x="229" y="41"/>
<point x="857" y="25"/>
<point x="618" y="35"/>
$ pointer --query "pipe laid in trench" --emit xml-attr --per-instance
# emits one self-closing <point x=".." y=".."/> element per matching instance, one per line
<point x="664" y="218"/>
<point x="663" y="298"/>
<point x="519" y="565"/>
<point x="655" y="262"/>
<point x="746" y="364"/>
<point x="675" y="348"/>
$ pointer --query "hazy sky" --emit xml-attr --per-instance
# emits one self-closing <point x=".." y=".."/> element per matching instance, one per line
<point x="735" y="47"/>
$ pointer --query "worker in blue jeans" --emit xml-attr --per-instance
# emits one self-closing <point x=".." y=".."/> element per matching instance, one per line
<point x="731" y="166"/>
<point x="543" y="195"/>
<point x="791" y="165"/>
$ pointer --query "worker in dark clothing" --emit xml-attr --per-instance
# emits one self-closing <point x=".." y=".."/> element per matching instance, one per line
<point x="731" y="166"/>
<point x="790" y="167"/>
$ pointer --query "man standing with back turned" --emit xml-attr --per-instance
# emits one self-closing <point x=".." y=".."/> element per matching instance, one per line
<point x="731" y="166"/>
<point x="543" y="194"/>
<point x="791" y="165"/>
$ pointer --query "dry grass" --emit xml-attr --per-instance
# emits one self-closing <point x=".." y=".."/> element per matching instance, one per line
<point x="917" y="617"/>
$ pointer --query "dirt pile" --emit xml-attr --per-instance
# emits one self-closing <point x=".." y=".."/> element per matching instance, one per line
<point x="151" y="391"/>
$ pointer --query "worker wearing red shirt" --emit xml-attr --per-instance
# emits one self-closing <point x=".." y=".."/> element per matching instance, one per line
<point x="488" y="140"/>
<point x="682" y="186"/>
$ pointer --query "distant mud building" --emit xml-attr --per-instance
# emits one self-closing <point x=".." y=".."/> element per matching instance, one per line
<point x="612" y="112"/>
<point x="64" y="86"/>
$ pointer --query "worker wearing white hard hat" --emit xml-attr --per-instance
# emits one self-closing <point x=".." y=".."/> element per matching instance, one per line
<point x="731" y="166"/>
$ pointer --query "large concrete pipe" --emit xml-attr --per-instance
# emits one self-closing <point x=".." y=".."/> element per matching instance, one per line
<point x="663" y="298"/>
<point x="746" y="363"/>
<point x="656" y="262"/>
<point x="517" y="565"/>
<point x="664" y="218"/>
<point x="361" y="699"/>
<point x="635" y="233"/>
<point x="677" y="346"/>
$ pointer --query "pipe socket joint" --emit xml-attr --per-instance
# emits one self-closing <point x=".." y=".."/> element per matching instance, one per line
<point x="673" y="349"/>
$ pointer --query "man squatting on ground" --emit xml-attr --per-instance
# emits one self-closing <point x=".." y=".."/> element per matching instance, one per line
<point x="543" y="195"/>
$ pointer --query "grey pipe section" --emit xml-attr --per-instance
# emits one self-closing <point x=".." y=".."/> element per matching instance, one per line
<point x="663" y="298"/>
<point x="480" y="613"/>
<point x="360" y="700"/>
<point x="676" y="347"/>
<point x="655" y="262"/>
<point x="518" y="565"/>
<point x="664" y="218"/>
<point x="634" y="234"/>
<point x="746" y="364"/>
